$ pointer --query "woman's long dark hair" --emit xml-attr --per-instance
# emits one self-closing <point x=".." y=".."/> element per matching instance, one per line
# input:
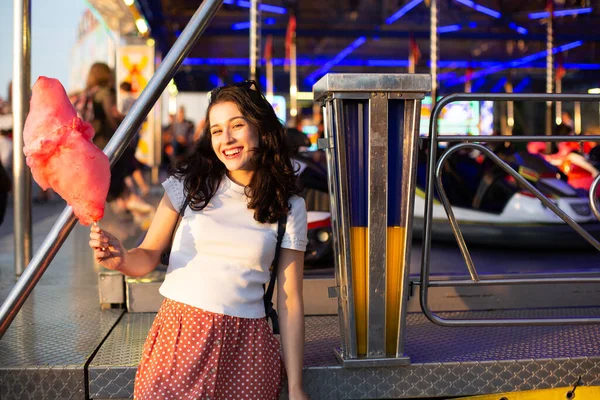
<point x="273" y="181"/>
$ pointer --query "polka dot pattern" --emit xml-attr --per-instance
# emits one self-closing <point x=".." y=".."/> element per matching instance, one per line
<point x="194" y="354"/>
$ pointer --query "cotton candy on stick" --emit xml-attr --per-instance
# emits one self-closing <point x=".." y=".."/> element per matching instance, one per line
<point x="60" y="152"/>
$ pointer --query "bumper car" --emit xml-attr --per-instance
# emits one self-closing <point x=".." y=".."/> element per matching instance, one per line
<point x="493" y="209"/>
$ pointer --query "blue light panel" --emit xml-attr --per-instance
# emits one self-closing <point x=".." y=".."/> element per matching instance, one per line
<point x="261" y="7"/>
<point x="499" y="86"/>
<point x="240" y="26"/>
<point x="518" y="28"/>
<point x="398" y="14"/>
<point x="449" y="28"/>
<point x="515" y="63"/>
<point x="560" y="13"/>
<point x="317" y="62"/>
<point x="522" y="85"/>
<point x="312" y="78"/>
<point x="480" y="8"/>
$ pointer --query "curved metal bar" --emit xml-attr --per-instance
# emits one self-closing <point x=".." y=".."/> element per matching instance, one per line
<point x="428" y="215"/>
<point x="453" y="223"/>
<point x="592" y="197"/>
<point x="516" y="139"/>
<point x="509" y="170"/>
<point x="115" y="147"/>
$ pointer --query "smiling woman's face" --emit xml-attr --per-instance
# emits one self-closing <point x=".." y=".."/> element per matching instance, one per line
<point x="234" y="140"/>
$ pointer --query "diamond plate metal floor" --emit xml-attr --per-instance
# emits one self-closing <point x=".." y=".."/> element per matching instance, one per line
<point x="45" y="350"/>
<point x="445" y="361"/>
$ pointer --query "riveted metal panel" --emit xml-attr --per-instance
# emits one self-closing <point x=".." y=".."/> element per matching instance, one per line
<point x="44" y="351"/>
<point x="446" y="361"/>
<point x="112" y="371"/>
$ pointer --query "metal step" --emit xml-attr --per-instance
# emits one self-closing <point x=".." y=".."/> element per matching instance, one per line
<point x="142" y="294"/>
<point x="444" y="361"/>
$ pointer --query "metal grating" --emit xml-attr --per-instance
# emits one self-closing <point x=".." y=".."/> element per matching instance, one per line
<point x="44" y="351"/>
<point x="445" y="361"/>
<point x="112" y="371"/>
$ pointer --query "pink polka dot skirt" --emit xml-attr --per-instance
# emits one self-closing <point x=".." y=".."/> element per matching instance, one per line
<point x="194" y="354"/>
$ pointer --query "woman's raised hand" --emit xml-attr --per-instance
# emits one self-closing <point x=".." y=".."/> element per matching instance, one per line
<point x="108" y="250"/>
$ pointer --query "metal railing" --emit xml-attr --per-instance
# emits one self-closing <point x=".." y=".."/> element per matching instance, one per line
<point x="434" y="178"/>
<point x="115" y="147"/>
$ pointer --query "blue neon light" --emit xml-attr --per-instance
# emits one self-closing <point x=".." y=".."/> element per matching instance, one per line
<point x="449" y="28"/>
<point x="387" y="63"/>
<point x="479" y="8"/>
<point x="317" y="62"/>
<point x="261" y="7"/>
<point x="522" y="85"/>
<point x="477" y="84"/>
<point x="312" y="78"/>
<point x="499" y="86"/>
<point x="472" y="25"/>
<point x="398" y="14"/>
<point x="515" y="63"/>
<point x="240" y="26"/>
<point x="560" y="13"/>
<point x="520" y="29"/>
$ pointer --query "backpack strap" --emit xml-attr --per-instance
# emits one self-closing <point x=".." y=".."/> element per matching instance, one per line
<point x="268" y="297"/>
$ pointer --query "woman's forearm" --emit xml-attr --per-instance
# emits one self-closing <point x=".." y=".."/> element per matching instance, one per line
<point x="291" y="325"/>
<point x="138" y="262"/>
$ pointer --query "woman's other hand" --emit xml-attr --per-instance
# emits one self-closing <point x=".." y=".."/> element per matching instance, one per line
<point x="108" y="250"/>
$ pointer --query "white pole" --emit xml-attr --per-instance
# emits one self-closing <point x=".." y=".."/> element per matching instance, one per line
<point x="549" y="73"/>
<point x="255" y="33"/>
<point x="434" y="51"/>
<point x="293" y="82"/>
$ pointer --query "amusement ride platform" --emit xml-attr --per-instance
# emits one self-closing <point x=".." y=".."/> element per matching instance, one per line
<point x="63" y="345"/>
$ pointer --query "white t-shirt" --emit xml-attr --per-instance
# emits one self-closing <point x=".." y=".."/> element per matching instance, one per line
<point x="221" y="255"/>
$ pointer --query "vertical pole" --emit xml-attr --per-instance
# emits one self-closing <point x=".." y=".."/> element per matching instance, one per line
<point x="377" y="223"/>
<point x="577" y="118"/>
<point x="293" y="82"/>
<point x="549" y="70"/>
<point x="412" y="115"/>
<point x="434" y="51"/>
<point x="558" y="103"/>
<point x="269" y="67"/>
<point x="255" y="33"/>
<point x="510" y="110"/>
<point x="20" y="105"/>
<point x="270" y="80"/>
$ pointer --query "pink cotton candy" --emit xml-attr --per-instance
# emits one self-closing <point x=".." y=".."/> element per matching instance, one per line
<point x="60" y="152"/>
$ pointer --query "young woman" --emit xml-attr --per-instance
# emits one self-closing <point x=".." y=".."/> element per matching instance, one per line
<point x="210" y="339"/>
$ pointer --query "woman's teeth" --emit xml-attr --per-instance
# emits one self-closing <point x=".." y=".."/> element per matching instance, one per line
<point x="233" y="152"/>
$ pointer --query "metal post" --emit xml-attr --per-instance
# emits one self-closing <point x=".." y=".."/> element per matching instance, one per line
<point x="372" y="178"/>
<point x="20" y="107"/>
<point x="549" y="73"/>
<point x="510" y="110"/>
<point x="255" y="38"/>
<point x="293" y="81"/>
<point x="377" y="223"/>
<point x="433" y="42"/>
<point x="558" y="103"/>
<point x="412" y="118"/>
<point x="577" y="118"/>
<point x="115" y="147"/>
<point x="269" y="67"/>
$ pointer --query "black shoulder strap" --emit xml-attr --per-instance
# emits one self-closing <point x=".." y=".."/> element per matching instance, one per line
<point x="268" y="298"/>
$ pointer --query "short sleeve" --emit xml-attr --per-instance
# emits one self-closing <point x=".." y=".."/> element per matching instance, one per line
<point x="295" y="237"/>
<point x="174" y="189"/>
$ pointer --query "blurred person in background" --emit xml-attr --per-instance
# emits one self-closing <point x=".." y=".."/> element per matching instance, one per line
<point x="128" y="99"/>
<point x="183" y="135"/>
